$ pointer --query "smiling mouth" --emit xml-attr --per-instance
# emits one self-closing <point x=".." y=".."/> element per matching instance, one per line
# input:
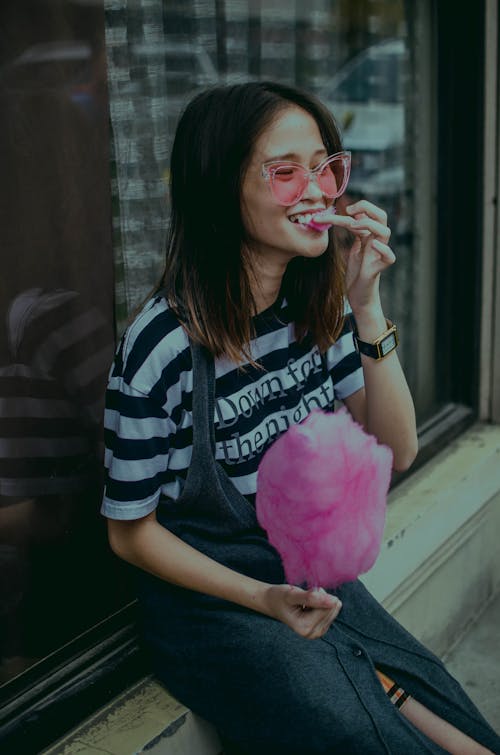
<point x="310" y="220"/>
<point x="302" y="218"/>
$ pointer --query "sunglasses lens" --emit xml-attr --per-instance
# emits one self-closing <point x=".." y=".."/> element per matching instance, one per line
<point x="333" y="177"/>
<point x="288" y="183"/>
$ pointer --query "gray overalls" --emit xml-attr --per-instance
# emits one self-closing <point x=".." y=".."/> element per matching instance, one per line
<point x="266" y="689"/>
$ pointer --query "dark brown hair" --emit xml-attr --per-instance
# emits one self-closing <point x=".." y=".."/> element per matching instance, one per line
<point x="208" y="272"/>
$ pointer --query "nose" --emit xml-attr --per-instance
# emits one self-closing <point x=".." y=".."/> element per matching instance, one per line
<point x="313" y="190"/>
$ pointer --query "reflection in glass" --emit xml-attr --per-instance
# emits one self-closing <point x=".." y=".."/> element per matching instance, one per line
<point x="56" y="327"/>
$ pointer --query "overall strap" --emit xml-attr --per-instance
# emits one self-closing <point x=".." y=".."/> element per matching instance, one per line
<point x="203" y="402"/>
<point x="203" y="399"/>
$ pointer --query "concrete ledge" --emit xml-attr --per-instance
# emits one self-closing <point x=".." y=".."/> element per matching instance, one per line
<point x="440" y="562"/>
<point x="144" y="718"/>
<point x="438" y="566"/>
<point x="435" y="502"/>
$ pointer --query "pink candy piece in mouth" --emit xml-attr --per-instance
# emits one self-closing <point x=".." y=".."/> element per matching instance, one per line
<point x="319" y="226"/>
<point x="315" y="222"/>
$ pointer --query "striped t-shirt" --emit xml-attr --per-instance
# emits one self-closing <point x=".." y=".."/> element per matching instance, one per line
<point x="148" y="417"/>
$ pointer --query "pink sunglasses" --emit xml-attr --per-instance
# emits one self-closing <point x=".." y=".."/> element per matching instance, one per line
<point x="288" y="181"/>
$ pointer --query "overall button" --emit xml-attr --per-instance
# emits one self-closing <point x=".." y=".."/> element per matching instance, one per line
<point x="357" y="652"/>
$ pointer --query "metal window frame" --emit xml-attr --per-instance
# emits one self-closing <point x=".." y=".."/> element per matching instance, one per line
<point x="459" y="201"/>
<point x="489" y="389"/>
<point x="51" y="697"/>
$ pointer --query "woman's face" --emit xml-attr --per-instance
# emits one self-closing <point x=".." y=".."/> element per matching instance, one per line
<point x="293" y="136"/>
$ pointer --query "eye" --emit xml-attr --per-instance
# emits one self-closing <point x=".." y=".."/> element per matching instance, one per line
<point x="286" y="173"/>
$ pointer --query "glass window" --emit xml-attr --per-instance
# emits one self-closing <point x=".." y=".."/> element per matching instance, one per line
<point x="56" y="327"/>
<point x="355" y="56"/>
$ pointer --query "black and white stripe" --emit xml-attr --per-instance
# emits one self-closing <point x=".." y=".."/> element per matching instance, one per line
<point x="148" y="419"/>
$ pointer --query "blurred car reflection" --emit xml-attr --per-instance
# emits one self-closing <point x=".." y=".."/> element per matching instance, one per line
<point x="72" y="68"/>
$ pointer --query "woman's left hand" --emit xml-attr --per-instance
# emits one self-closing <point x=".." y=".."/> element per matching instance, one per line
<point x="370" y="253"/>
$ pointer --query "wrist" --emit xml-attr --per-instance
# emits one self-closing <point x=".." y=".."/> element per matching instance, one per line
<point x="256" y="596"/>
<point x="379" y="347"/>
<point x="370" y="323"/>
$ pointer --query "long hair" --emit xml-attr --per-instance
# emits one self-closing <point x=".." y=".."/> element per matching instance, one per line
<point x="208" y="273"/>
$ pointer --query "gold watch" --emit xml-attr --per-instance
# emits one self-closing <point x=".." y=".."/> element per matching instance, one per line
<point x="381" y="346"/>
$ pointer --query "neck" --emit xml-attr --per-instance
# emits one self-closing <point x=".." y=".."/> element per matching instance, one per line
<point x="265" y="292"/>
<point x="264" y="301"/>
<point x="266" y="285"/>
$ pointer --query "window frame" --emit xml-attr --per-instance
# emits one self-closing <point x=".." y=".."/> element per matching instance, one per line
<point x="489" y="408"/>
<point x="56" y="694"/>
<point x="459" y="243"/>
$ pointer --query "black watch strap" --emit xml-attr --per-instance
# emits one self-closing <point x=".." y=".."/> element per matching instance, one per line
<point x="382" y="345"/>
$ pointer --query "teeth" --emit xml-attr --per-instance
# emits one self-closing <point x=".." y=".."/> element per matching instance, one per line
<point x="304" y="219"/>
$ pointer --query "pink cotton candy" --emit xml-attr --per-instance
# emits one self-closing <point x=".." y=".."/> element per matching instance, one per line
<point x="319" y="226"/>
<point x="321" y="497"/>
<point x="316" y="221"/>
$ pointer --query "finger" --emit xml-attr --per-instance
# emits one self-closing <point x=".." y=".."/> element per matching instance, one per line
<point x="318" y="598"/>
<point x="336" y="610"/>
<point x="321" y="622"/>
<point x="295" y="595"/>
<point x="386" y="253"/>
<point x="314" y="599"/>
<point x="307" y="599"/>
<point x="364" y="206"/>
<point x="342" y="221"/>
<point x="325" y="215"/>
<point x="372" y="226"/>
<point x="311" y="625"/>
<point x="333" y="613"/>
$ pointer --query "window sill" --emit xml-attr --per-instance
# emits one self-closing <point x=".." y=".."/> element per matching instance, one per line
<point x="440" y="533"/>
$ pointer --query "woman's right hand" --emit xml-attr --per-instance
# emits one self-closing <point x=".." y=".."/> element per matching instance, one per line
<point x="145" y="543"/>
<point x="308" y="612"/>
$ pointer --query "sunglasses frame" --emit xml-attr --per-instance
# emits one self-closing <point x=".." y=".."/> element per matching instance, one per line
<point x="269" y="169"/>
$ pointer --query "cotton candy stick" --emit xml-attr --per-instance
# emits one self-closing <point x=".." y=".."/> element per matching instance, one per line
<point x="321" y="497"/>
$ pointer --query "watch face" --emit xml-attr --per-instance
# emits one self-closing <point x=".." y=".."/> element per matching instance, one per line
<point x="388" y="344"/>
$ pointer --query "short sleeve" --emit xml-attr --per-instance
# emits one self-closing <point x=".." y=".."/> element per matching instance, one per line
<point x="137" y="431"/>
<point x="344" y="362"/>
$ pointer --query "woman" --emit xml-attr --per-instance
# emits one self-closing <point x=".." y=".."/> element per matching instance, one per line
<point x="247" y="333"/>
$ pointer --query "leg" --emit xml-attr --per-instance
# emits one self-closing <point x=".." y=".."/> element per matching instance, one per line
<point x="440" y="731"/>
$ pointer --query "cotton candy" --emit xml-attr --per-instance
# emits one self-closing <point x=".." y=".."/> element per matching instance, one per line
<point x="319" y="226"/>
<point x="321" y="497"/>
<point x="316" y="221"/>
